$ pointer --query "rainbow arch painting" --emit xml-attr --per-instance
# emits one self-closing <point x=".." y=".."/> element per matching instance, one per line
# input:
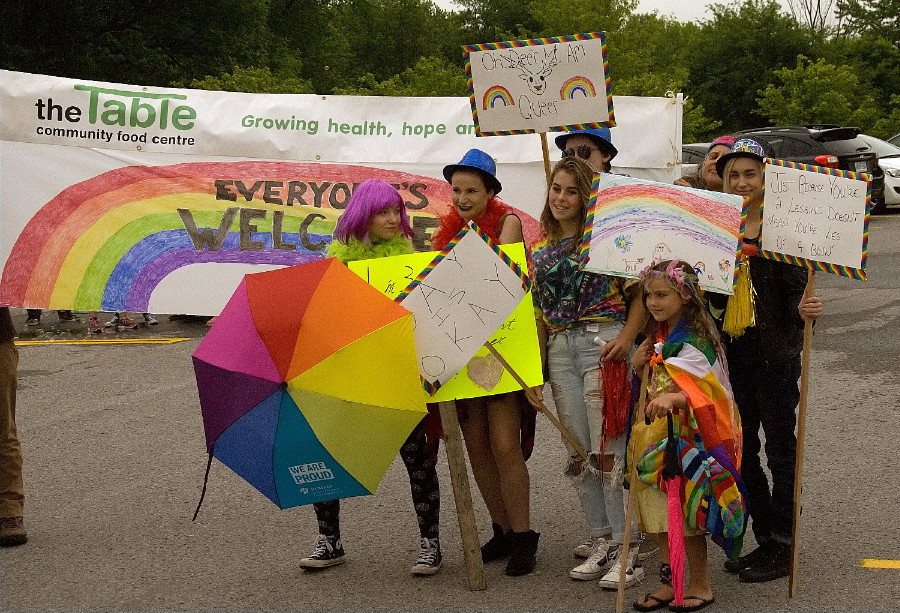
<point x="577" y="86"/>
<point x="107" y="242"/>
<point x="633" y="223"/>
<point x="496" y="94"/>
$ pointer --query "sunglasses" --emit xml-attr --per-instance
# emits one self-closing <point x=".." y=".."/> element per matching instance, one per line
<point x="582" y="151"/>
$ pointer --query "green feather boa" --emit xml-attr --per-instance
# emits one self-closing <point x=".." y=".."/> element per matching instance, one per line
<point x="361" y="250"/>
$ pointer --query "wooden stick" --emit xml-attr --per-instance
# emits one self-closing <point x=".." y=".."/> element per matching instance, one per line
<point x="801" y="434"/>
<point x="462" y="496"/>
<point x="540" y="404"/>
<point x="546" y="153"/>
<point x="632" y="481"/>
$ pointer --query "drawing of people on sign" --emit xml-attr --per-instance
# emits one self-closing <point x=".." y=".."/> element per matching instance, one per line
<point x="540" y="84"/>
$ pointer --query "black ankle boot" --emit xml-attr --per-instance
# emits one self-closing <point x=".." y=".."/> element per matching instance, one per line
<point x="500" y="545"/>
<point x="523" y="558"/>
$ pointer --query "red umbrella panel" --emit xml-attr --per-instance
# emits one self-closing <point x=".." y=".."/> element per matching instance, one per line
<point x="308" y="383"/>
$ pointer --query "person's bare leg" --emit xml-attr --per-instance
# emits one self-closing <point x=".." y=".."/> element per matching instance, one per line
<point x="504" y="427"/>
<point x="695" y="547"/>
<point x="663" y="592"/>
<point x="478" y="445"/>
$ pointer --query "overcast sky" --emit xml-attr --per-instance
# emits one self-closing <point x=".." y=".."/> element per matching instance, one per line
<point x="683" y="10"/>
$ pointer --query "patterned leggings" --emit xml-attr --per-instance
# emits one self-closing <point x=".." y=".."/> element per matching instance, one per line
<point x="423" y="482"/>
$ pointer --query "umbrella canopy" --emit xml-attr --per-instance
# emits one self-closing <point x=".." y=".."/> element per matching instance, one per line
<point x="308" y="383"/>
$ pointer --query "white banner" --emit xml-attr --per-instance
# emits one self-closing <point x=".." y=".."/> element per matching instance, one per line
<point x="127" y="197"/>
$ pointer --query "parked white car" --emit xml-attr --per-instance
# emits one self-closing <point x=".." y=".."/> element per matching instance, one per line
<point x="889" y="160"/>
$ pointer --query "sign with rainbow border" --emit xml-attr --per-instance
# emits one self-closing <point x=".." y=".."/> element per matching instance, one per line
<point x="540" y="84"/>
<point x="516" y="338"/>
<point x="633" y="223"/>
<point x="816" y="217"/>
<point x="459" y="301"/>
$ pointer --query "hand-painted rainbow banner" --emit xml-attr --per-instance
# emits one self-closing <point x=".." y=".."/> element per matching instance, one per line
<point x="633" y="223"/>
<point x="816" y="217"/>
<point x="540" y="84"/>
<point x="121" y="197"/>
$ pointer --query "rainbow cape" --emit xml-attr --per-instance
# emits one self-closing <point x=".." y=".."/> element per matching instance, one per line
<point x="708" y="440"/>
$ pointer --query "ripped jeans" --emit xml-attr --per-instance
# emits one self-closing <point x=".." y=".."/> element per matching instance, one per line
<point x="573" y="360"/>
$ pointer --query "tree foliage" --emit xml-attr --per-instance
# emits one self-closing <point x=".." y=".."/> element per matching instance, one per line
<point x="736" y="53"/>
<point x="878" y="17"/>
<point x="429" y="77"/>
<point x="817" y="92"/>
<point x="739" y="68"/>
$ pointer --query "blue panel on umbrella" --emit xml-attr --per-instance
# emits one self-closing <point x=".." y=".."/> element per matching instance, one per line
<point x="247" y="445"/>
<point x="305" y="472"/>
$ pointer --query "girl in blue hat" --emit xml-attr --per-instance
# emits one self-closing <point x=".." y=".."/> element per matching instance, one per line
<point x="375" y="224"/>
<point x="498" y="430"/>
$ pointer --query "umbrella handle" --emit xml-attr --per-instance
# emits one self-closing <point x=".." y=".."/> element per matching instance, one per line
<point x="205" y="481"/>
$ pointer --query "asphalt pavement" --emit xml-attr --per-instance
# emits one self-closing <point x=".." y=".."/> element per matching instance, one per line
<point x="114" y="465"/>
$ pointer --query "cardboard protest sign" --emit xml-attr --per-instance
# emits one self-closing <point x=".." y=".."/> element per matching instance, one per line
<point x="633" y="223"/>
<point x="516" y="339"/>
<point x="816" y="217"/>
<point x="459" y="300"/>
<point x="540" y="85"/>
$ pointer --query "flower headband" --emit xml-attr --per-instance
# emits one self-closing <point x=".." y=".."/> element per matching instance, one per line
<point x="685" y="282"/>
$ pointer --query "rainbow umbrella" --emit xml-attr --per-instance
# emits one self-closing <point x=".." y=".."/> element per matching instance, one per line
<point x="308" y="383"/>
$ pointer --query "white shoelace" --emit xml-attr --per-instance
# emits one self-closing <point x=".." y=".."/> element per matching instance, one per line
<point x="428" y="552"/>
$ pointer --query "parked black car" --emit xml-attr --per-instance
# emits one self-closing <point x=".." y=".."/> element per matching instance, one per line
<point x="823" y="145"/>
<point x="692" y="155"/>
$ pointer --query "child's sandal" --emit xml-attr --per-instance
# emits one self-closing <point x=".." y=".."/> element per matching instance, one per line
<point x="651" y="602"/>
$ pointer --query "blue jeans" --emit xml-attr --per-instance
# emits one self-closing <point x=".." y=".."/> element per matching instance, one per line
<point x="767" y="396"/>
<point x="573" y="359"/>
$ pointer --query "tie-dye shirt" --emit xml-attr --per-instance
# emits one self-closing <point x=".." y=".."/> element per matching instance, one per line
<point x="567" y="295"/>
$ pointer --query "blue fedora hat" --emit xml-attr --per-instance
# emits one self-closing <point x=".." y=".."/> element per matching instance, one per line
<point x="601" y="136"/>
<point x="476" y="159"/>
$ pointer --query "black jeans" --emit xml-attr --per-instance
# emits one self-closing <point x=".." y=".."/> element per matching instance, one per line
<point x="767" y="396"/>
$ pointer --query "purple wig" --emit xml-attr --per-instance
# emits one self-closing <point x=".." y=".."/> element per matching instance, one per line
<point x="369" y="198"/>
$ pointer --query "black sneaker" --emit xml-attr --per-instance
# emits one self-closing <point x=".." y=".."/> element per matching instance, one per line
<point x="736" y="566"/>
<point x="773" y="566"/>
<point x="329" y="552"/>
<point x="499" y="546"/>
<point x="429" y="561"/>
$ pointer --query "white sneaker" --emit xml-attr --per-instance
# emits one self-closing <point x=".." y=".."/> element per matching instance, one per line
<point x="634" y="572"/>
<point x="584" y="549"/>
<point x="150" y="320"/>
<point x="602" y="555"/>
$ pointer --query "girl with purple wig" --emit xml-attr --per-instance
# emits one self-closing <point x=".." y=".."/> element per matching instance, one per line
<point x="374" y="225"/>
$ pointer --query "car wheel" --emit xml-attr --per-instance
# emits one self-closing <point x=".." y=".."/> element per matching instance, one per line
<point x="879" y="207"/>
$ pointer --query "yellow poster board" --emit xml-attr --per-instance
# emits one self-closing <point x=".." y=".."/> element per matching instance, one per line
<point x="516" y="340"/>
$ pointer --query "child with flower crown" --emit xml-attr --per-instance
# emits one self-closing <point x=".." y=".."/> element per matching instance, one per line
<point x="375" y="224"/>
<point x="691" y="426"/>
